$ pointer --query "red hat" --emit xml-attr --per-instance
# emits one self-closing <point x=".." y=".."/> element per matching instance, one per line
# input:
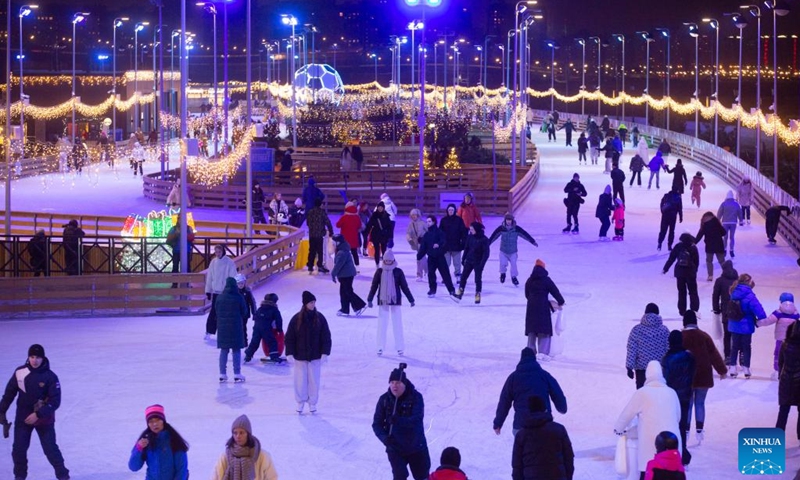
<point x="154" y="411"/>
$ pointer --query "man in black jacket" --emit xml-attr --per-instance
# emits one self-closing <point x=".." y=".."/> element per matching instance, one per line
<point x="432" y="245"/>
<point x="38" y="397"/>
<point x="542" y="448"/>
<point x="671" y="211"/>
<point x="398" y="425"/>
<point x="720" y="297"/>
<point x="617" y="182"/>
<point x="318" y="223"/>
<point x="679" y="366"/>
<point x="686" y="259"/>
<point x="575" y="193"/>
<point x="455" y="236"/>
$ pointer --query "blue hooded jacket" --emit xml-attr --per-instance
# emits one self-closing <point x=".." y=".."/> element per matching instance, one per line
<point x="751" y="307"/>
<point x="162" y="462"/>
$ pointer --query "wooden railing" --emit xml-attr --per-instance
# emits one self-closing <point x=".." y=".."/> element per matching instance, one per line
<point x="30" y="167"/>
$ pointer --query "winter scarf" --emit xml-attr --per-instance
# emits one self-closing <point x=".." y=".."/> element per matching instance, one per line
<point x="242" y="461"/>
<point x="388" y="293"/>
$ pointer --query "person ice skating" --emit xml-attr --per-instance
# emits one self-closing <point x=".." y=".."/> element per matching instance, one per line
<point x="730" y="214"/>
<point x="605" y="125"/>
<point x="636" y="167"/>
<point x="257" y="202"/>
<point x="622" y="130"/>
<point x="358" y="157"/>
<point x="603" y="212"/>
<point x="538" y="321"/>
<point x="450" y="466"/>
<point x="686" y="260"/>
<point x="714" y="233"/>
<point x="784" y="316"/>
<point x="655" y="166"/>
<point x="137" y="154"/>
<point x="610" y="152"/>
<point x="364" y="213"/>
<point x="568" y="128"/>
<point x="379" y="231"/>
<point x="38" y="394"/>
<point x="665" y="148"/>
<point x="678" y="366"/>
<point x="719" y="300"/>
<point x="789" y="382"/>
<point x="455" y="234"/>
<point x="71" y="243"/>
<point x="476" y="253"/>
<point x="267" y="327"/>
<point x="308" y="345"/>
<point x="286" y="160"/>
<point x="508" y="233"/>
<point x="414" y="232"/>
<point x="249" y="300"/>
<point x="696" y="187"/>
<point x="583" y="147"/>
<point x="679" y="180"/>
<point x="749" y="312"/>
<point x="344" y="271"/>
<point x="389" y="282"/>
<point x="575" y="193"/>
<point x="706" y="357"/>
<point x="279" y="211"/>
<point x="244" y="458"/>
<point x="666" y="465"/>
<point x="161" y="448"/>
<point x="350" y="227"/>
<point x="527" y="379"/>
<point x="635" y="135"/>
<point x="594" y="147"/>
<point x="433" y="245"/>
<point x="671" y="211"/>
<point x="231" y="311"/>
<point x="312" y="193"/>
<point x="542" y="448"/>
<point x="772" y="218"/>
<point x="391" y="210"/>
<point x="618" y="217"/>
<point x="173" y="241"/>
<point x="219" y="270"/>
<point x="346" y="160"/>
<point x="398" y="424"/>
<point x="744" y="195"/>
<point x="468" y="211"/>
<point x="318" y="224"/>
<point x="551" y="130"/>
<point x="617" y="181"/>
<point x="656" y="408"/>
<point x="647" y="341"/>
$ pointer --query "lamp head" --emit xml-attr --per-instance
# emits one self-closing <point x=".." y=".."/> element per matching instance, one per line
<point x="581" y="42"/>
<point x="619" y="37"/>
<point x="693" y="30"/>
<point x="289" y="20"/>
<point x="79" y="17"/>
<point x="740" y="21"/>
<point x="26" y="10"/>
<point x="664" y="32"/>
<point x="595" y="40"/>
<point x="712" y="21"/>
<point x="781" y="9"/>
<point x="552" y="44"/>
<point x="753" y="9"/>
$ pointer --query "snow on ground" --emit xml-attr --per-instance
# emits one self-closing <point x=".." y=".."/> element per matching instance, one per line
<point x="458" y="355"/>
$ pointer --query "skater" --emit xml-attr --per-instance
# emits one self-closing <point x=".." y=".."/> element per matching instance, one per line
<point x="730" y="213"/>
<point x="249" y="300"/>
<point x="137" y="154"/>
<point x="707" y="359"/>
<point x="594" y="146"/>
<point x="538" y="321"/>
<point x="667" y="461"/>
<point x="391" y="210"/>
<point x="697" y="186"/>
<point x="231" y="311"/>
<point x="244" y="458"/>
<point x="671" y="211"/>
<point x="618" y="217"/>
<point x="610" y="153"/>
<point x="744" y="312"/>
<point x="679" y="180"/>
<point x="508" y="233"/>
<point x="450" y="468"/>
<point x="358" y="157"/>
<point x="744" y="195"/>
<point x="346" y="160"/>
<point x="455" y="235"/>
<point x="38" y="251"/>
<point x="71" y="239"/>
<point x="468" y="211"/>
<point x="318" y="223"/>
<point x="655" y="166"/>
<point x="388" y="282"/>
<point x="364" y="214"/>
<point x="603" y="212"/>
<point x="38" y="395"/>
<point x="311" y="193"/>
<point x="784" y="316"/>
<point x="432" y="245"/>
<point x="568" y="128"/>
<point x="647" y="341"/>
<point x="398" y="424"/>
<point x="219" y="270"/>
<point x="714" y="233"/>
<point x="635" y="135"/>
<point x="267" y="327"/>
<point x="636" y="167"/>
<point x="542" y="448"/>
<point x="686" y="260"/>
<point x="161" y="447"/>
<point x="719" y="300"/>
<point x="416" y="229"/>
<point x="583" y="146"/>
<point x="308" y="344"/>
<point x="772" y="219"/>
<point x="622" y="130"/>
<point x="575" y="193"/>
<point x="679" y="369"/>
<point x="476" y="254"/>
<point x="665" y="148"/>
<point x="551" y="131"/>
<point x="257" y="197"/>
<point x="527" y="379"/>
<point x="350" y="227"/>
<point x="655" y="408"/>
<point x="789" y="384"/>
<point x="379" y="231"/>
<point x="344" y="270"/>
<point x="279" y="211"/>
<point x="605" y="125"/>
<point x="286" y="160"/>
<point x="617" y="181"/>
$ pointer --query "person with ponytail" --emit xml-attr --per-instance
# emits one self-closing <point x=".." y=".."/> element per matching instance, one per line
<point x="161" y="447"/>
<point x="243" y="458"/>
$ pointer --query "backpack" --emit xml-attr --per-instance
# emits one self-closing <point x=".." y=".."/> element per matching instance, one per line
<point x="684" y="258"/>
<point x="734" y="310"/>
<point x="666" y="205"/>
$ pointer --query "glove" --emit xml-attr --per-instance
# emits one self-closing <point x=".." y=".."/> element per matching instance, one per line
<point x="412" y="304"/>
<point x="535" y="244"/>
<point x="369" y="304"/>
<point x="333" y="278"/>
<point x="664" y="272"/>
<point x="630" y="373"/>
<point x="208" y="296"/>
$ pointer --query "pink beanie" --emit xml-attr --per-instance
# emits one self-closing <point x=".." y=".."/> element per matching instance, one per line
<point x="154" y="411"/>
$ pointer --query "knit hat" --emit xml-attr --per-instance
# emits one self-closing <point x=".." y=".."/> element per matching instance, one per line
<point x="388" y="257"/>
<point x="675" y="339"/>
<point x="240" y="278"/>
<point x="451" y="457"/>
<point x="308" y="297"/>
<point x="729" y="195"/>
<point x="689" y="318"/>
<point x="787" y="297"/>
<point x="575" y="176"/>
<point x="154" y="411"/>
<point x="244" y="423"/>
<point x="36" y="350"/>
<point x="397" y="375"/>
<point x="539" y="263"/>
<point x="536" y="404"/>
<point x="651" y="308"/>
<point x="508" y="216"/>
<point x="271" y="298"/>
<point x="478" y="227"/>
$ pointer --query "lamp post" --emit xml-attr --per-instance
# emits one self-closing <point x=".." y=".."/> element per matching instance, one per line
<point x="695" y="32"/>
<point x="599" y="70"/>
<point x="76" y="19"/>
<point x="485" y="76"/>
<point x="647" y="39"/>
<point x="553" y="46"/>
<point x="292" y="21"/>
<point x="621" y="38"/>
<point x="511" y="34"/>
<point x="740" y="23"/>
<point x="309" y="28"/>
<point x="582" y="43"/>
<point x="209" y="7"/>
<point x="138" y="28"/>
<point x="519" y="8"/>
<point x="374" y="57"/>
<point x="117" y="23"/>
<point x="174" y="34"/>
<point x="665" y="33"/>
<point x="778" y="9"/>
<point x="335" y="48"/>
<point x="456" y="76"/>
<point x="755" y="11"/>
<point x="715" y="25"/>
<point x="414" y="25"/>
<point x="8" y="121"/>
<point x="524" y="59"/>
<point x="479" y="48"/>
<point x="24" y="11"/>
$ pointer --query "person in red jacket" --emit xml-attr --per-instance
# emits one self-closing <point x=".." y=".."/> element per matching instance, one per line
<point x="667" y="462"/>
<point x="468" y="211"/>
<point x="349" y="226"/>
<point x="450" y="466"/>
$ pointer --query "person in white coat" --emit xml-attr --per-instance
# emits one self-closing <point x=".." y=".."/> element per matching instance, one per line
<point x="656" y="408"/>
<point x="642" y="149"/>
<point x="243" y="458"/>
<point x="391" y="209"/>
<point x="389" y="282"/>
<point x="220" y="268"/>
<point x="744" y="195"/>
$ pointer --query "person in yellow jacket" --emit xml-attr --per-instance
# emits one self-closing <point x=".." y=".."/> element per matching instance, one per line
<point x="243" y="458"/>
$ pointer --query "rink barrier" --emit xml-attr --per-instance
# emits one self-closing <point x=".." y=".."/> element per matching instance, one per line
<point x="716" y="160"/>
<point x="31" y="167"/>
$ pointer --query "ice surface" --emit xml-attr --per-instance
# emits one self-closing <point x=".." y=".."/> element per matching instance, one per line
<point x="458" y="355"/>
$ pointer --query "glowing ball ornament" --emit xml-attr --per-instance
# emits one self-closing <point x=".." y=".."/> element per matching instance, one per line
<point x="318" y="83"/>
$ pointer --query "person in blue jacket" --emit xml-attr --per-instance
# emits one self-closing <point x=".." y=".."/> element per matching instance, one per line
<point x="38" y="395"/>
<point x="311" y="194"/>
<point x="742" y="329"/>
<point x="161" y="447"/>
<point x="267" y="324"/>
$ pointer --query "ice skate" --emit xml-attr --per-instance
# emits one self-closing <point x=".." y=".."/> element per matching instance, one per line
<point x="575" y="230"/>
<point x="359" y="312"/>
<point x="223" y="378"/>
<point x="732" y="371"/>
<point x="700" y="436"/>
<point x="746" y="371"/>
<point x="515" y="281"/>
<point x="456" y="296"/>
<point x="207" y="337"/>
<point x="274" y="360"/>
<point x="238" y="378"/>
<point x="477" y="298"/>
<point x="323" y="270"/>
<point x="732" y="254"/>
<point x="380" y="352"/>
<point x="400" y="353"/>
<point x="299" y="408"/>
<point x="502" y="278"/>
<point x="340" y="313"/>
<point x="567" y="229"/>
<point x="312" y="408"/>
<point x="431" y="294"/>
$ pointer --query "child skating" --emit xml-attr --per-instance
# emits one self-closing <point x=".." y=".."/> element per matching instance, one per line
<point x="697" y="187"/>
<point x="509" y="233"/>
<point x="618" y="217"/>
<point x="785" y="315"/>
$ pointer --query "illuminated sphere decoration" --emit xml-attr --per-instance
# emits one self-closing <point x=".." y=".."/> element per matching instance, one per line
<point x="318" y="83"/>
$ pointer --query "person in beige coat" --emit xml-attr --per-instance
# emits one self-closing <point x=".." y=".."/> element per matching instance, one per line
<point x="243" y="458"/>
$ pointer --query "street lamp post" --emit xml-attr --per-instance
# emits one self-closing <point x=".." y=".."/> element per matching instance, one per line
<point x="485" y="76"/>
<point x="778" y="9"/>
<point x="335" y="48"/>
<point x="695" y="32"/>
<point x="665" y="33"/>
<point x="582" y="43"/>
<point x="553" y="47"/>
<point x="76" y="19"/>
<point x="292" y="21"/>
<point x="621" y="38"/>
<point x="647" y="39"/>
<point x="715" y="25"/>
<point x="212" y="9"/>
<point x="117" y="23"/>
<point x="479" y="48"/>
<point x="414" y="25"/>
<point x="519" y="8"/>
<point x="24" y="11"/>
<point x="138" y="28"/>
<point x="374" y="57"/>
<point x="740" y="23"/>
<point x="599" y="70"/>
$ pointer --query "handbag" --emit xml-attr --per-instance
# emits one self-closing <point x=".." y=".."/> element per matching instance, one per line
<point x="621" y="456"/>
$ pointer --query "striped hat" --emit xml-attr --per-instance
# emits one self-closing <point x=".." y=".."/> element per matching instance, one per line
<point x="154" y="411"/>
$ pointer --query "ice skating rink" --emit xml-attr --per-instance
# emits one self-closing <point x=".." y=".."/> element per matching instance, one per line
<point x="458" y="355"/>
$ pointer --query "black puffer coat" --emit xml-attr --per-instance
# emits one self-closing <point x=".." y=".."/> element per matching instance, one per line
<point x="686" y="244"/>
<point x="434" y="236"/>
<point x="408" y="433"/>
<point x="537" y="314"/>
<point x="455" y="232"/>
<point x="542" y="450"/>
<point x="476" y="252"/>
<point x="789" y="368"/>
<point x="714" y="233"/>
<point x="722" y="288"/>
<point x="308" y="338"/>
<point x="679" y="366"/>
<point x="379" y="227"/>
